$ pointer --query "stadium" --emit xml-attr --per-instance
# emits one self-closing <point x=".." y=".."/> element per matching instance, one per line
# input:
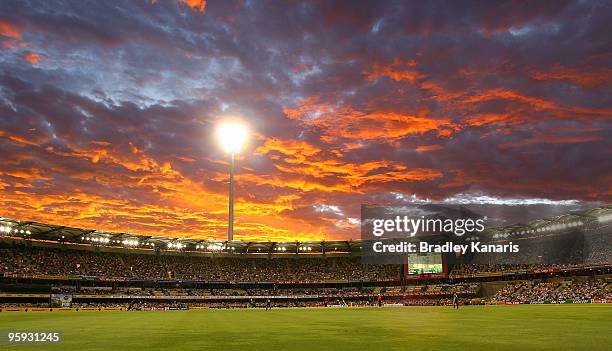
<point x="305" y="175"/>
<point x="52" y="272"/>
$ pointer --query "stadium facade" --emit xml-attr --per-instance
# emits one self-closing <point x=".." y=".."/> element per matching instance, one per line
<point x="50" y="266"/>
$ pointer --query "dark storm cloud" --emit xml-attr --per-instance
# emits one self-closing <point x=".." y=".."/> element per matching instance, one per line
<point x="108" y="109"/>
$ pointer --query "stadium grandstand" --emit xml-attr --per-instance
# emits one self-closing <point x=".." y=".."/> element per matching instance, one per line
<point x="53" y="266"/>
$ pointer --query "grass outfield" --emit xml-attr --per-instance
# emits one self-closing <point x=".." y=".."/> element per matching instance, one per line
<point x="563" y="327"/>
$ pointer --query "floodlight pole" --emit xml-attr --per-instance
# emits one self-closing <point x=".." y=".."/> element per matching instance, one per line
<point x="230" y="227"/>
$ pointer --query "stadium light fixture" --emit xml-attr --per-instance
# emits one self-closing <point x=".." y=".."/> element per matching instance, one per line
<point x="232" y="136"/>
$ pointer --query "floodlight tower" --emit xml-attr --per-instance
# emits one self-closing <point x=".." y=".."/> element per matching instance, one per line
<point x="232" y="136"/>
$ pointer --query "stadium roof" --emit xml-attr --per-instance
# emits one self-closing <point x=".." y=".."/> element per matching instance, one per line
<point x="64" y="234"/>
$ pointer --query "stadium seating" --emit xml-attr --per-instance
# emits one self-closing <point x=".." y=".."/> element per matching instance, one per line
<point x="556" y="291"/>
<point x="21" y="260"/>
<point x="131" y="280"/>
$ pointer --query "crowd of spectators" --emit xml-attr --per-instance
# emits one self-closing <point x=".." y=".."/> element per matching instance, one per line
<point x="585" y="290"/>
<point x="555" y="290"/>
<point x="345" y="292"/>
<point x="572" y="248"/>
<point x="463" y="270"/>
<point x="55" y="262"/>
<point x="508" y="291"/>
<point x="24" y="304"/>
<point x="38" y="261"/>
<point x="473" y="269"/>
<point x="22" y="260"/>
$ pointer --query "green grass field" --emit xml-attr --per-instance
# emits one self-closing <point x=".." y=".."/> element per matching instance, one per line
<point x="563" y="327"/>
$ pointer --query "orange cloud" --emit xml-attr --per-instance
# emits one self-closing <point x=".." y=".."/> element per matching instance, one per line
<point x="492" y="118"/>
<point x="298" y="149"/>
<point x="305" y="167"/>
<point x="425" y="148"/>
<point x="507" y="94"/>
<point x="199" y="5"/>
<point x="553" y="139"/>
<point x="398" y="71"/>
<point x="537" y="104"/>
<point x="33" y="139"/>
<point x="592" y="78"/>
<point x="345" y="122"/>
<point x="519" y="113"/>
<point x="465" y="100"/>
<point x="32" y="57"/>
<point x="10" y="30"/>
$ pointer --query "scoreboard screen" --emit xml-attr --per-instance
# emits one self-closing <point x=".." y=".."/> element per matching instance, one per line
<point x="424" y="264"/>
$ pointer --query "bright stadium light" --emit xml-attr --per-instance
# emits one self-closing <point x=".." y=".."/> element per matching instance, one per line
<point x="232" y="136"/>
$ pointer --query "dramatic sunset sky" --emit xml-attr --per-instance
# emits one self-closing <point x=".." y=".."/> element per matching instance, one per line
<point x="108" y="110"/>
